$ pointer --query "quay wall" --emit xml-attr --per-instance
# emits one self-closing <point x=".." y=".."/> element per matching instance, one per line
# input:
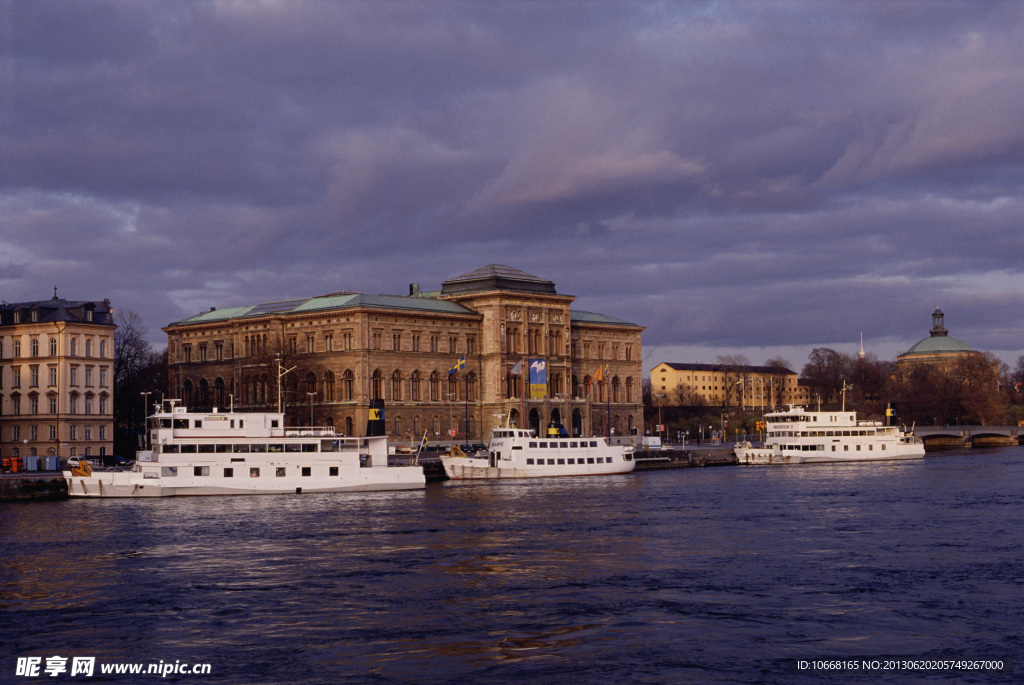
<point x="30" y="486"/>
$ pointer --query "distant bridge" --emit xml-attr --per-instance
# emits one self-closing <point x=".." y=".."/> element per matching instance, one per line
<point x="938" y="437"/>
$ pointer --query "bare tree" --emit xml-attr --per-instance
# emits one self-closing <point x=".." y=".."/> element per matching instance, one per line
<point x="138" y="369"/>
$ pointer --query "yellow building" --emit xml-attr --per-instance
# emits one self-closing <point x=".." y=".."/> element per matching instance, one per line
<point x="723" y="385"/>
<point x="56" y="379"/>
<point x="526" y="354"/>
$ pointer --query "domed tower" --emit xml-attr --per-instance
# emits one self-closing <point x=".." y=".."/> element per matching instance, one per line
<point x="938" y="348"/>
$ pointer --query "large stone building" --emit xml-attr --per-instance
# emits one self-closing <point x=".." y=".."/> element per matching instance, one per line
<point x="56" y="378"/>
<point x="725" y="385"/>
<point x="491" y="343"/>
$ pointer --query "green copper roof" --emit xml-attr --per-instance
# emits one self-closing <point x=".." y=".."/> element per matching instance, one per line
<point x="591" y="317"/>
<point x="327" y="302"/>
<point x="939" y="343"/>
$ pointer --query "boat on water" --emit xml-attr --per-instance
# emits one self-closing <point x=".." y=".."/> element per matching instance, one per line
<point x="518" y="453"/>
<point x="229" y="453"/>
<point x="798" y="436"/>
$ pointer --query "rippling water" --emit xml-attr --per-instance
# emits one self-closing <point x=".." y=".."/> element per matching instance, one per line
<point x="702" y="575"/>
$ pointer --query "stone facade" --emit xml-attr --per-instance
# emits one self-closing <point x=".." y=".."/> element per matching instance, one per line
<point x="337" y="352"/>
<point x="56" y="378"/>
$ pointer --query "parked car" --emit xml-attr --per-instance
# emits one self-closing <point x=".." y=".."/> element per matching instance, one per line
<point x="115" y="461"/>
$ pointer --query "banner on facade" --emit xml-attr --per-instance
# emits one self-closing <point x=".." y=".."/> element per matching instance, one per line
<point x="538" y="379"/>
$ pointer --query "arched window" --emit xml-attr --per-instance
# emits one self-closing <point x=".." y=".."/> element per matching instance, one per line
<point x="88" y="348"/>
<point x="74" y="347"/>
<point x="452" y="394"/>
<point x="615" y="389"/>
<point x="53" y="347"/>
<point x="204" y="393"/>
<point x="348" y="425"/>
<point x="376" y="383"/>
<point x="348" y="388"/>
<point x="103" y="349"/>
<point x="435" y="387"/>
<point x="629" y="393"/>
<point x="396" y="390"/>
<point x="575" y="385"/>
<point x="186" y="391"/>
<point x="218" y="392"/>
<point x="329" y="386"/>
<point x="310" y="383"/>
<point x="414" y="386"/>
<point x="471" y="386"/>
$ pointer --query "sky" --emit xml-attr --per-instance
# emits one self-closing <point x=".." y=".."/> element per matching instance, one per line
<point x="740" y="178"/>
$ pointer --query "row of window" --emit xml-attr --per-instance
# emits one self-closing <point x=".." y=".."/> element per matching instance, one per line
<point x="821" y="448"/>
<point x="210" y="448"/>
<point x="33" y="433"/>
<point x="73" y="376"/>
<point x="568" y="460"/>
<point x="254" y="472"/>
<point x="34" y="347"/>
<point x="827" y="433"/>
<point x="74" y="404"/>
<point x="563" y="444"/>
<point x="34" y="452"/>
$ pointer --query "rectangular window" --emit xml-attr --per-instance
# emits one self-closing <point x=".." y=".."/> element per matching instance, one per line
<point x="168" y="471"/>
<point x="254" y="472"/>
<point x="307" y="471"/>
<point x="229" y="472"/>
<point x="200" y="470"/>
<point x="333" y="471"/>
<point x="280" y="472"/>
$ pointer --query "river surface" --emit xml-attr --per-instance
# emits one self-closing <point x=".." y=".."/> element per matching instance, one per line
<point x="715" y="575"/>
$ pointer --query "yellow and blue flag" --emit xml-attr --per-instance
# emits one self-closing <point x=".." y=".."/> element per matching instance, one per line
<point x="459" y="366"/>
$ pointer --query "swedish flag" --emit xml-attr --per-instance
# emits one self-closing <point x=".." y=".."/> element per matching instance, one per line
<point x="459" y="366"/>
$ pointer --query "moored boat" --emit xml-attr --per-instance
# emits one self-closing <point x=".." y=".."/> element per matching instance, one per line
<point x="798" y="436"/>
<point x="518" y="453"/>
<point x="229" y="453"/>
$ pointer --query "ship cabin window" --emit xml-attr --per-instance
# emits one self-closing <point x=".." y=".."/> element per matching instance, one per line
<point x="551" y="461"/>
<point x="229" y="472"/>
<point x="169" y="449"/>
<point x="333" y="471"/>
<point x="309" y="447"/>
<point x="572" y="461"/>
<point x="197" y="424"/>
<point x="533" y="445"/>
<point x="517" y="447"/>
<point x="258" y="448"/>
<point x="239" y="448"/>
<point x="164" y="423"/>
<point x="590" y="460"/>
<point x="168" y="471"/>
<point x="307" y="471"/>
<point x="181" y="423"/>
<point x="883" y="447"/>
<point x="222" y="448"/>
<point x="254" y="472"/>
<point x="593" y="443"/>
<point x="274" y="423"/>
<point x="293" y="447"/>
<point x="281" y="472"/>
<point x="200" y="470"/>
<point x="561" y="461"/>
<point x="188" y="449"/>
<point x="529" y="462"/>
<point x="573" y="445"/>
<point x="207" y="449"/>
<point x="275" y="448"/>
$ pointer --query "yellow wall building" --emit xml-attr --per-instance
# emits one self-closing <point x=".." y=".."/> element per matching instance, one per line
<point x="721" y="385"/>
<point x="56" y="379"/>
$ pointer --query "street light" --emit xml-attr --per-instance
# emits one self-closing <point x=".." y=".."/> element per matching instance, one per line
<point x="451" y="420"/>
<point x="311" y="396"/>
<point x="659" y="413"/>
<point x="145" y="414"/>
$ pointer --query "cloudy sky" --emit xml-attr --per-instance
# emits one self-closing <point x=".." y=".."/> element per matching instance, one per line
<point x="753" y="178"/>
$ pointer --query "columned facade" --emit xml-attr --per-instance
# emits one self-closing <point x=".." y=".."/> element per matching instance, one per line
<point x="336" y="353"/>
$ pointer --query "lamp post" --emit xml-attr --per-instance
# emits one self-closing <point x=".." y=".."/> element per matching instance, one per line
<point x="145" y="414"/>
<point x="659" y="396"/>
<point x="451" y="420"/>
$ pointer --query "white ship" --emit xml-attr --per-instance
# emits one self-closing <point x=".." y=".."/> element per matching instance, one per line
<point x="798" y="436"/>
<point x="216" y="453"/>
<point x="519" y="453"/>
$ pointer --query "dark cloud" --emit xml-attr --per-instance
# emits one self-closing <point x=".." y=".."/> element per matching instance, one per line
<point x="733" y="176"/>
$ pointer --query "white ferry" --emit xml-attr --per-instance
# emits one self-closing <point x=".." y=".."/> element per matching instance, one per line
<point x="519" y="453"/>
<point x="216" y="453"/>
<point x="798" y="436"/>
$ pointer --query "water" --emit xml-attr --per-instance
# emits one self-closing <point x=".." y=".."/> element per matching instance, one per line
<point x="725" y="575"/>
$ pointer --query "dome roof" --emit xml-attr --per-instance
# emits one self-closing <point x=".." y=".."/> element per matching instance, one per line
<point x="939" y="342"/>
